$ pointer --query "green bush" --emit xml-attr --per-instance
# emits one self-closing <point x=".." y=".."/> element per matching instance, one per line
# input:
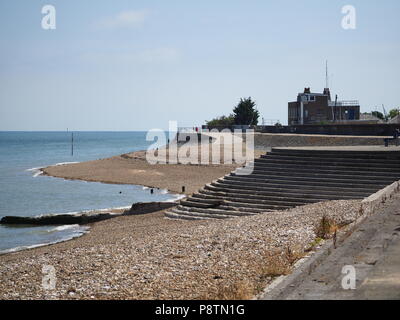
<point x="222" y="121"/>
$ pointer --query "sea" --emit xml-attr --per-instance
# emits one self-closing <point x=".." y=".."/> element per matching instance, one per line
<point x="24" y="191"/>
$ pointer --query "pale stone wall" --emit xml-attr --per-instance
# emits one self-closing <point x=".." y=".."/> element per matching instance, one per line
<point x="268" y="140"/>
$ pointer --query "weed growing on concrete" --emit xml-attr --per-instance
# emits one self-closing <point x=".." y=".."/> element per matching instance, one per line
<point x="325" y="228"/>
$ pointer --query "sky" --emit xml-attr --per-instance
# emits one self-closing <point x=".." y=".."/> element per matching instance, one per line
<point x="127" y="65"/>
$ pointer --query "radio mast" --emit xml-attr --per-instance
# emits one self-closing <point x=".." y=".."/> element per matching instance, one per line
<point x="326" y="75"/>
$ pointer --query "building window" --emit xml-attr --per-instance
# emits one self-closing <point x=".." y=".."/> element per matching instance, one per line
<point x="312" y="98"/>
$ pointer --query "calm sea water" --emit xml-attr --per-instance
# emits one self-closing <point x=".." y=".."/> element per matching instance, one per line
<point x="24" y="192"/>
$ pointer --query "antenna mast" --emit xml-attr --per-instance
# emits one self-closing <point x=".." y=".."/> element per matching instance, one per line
<point x="326" y="75"/>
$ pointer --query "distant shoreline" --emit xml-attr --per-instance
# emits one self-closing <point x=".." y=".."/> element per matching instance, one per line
<point x="112" y="171"/>
<point x="132" y="168"/>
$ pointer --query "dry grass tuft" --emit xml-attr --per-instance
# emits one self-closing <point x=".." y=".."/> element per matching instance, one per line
<point x="325" y="228"/>
<point x="271" y="265"/>
<point x="279" y="263"/>
<point x="360" y="211"/>
<point x="275" y="267"/>
<point x="313" y="244"/>
<point x="241" y="290"/>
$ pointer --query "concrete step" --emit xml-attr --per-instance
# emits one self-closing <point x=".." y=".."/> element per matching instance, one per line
<point x="278" y="197"/>
<point x="190" y="215"/>
<point x="273" y="189"/>
<point x="251" y="211"/>
<point x="287" y="178"/>
<point x="389" y="155"/>
<point x="244" y="202"/>
<point x="189" y="202"/>
<point x="283" y="195"/>
<point x="219" y="212"/>
<point x="254" y="201"/>
<point x="303" y="182"/>
<point x="381" y="171"/>
<point x="336" y="157"/>
<point x="333" y="162"/>
<point x="319" y="173"/>
<point x="183" y="216"/>
<point x="317" y="179"/>
<point x="339" y="176"/>
<point x="206" y="196"/>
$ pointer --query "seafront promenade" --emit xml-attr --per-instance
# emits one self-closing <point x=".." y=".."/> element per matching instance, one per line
<point x="372" y="248"/>
<point x="147" y="256"/>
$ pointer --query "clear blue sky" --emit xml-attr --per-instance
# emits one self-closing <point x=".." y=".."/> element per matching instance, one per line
<point x="134" y="65"/>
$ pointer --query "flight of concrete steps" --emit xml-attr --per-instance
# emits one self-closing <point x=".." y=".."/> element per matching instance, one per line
<point x="286" y="178"/>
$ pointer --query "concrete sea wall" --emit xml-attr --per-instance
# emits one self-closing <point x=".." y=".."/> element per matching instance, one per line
<point x="268" y="140"/>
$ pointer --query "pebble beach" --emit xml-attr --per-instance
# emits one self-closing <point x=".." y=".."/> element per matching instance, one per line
<point x="151" y="257"/>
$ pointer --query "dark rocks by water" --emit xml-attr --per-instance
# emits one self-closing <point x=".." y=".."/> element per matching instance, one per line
<point x="84" y="218"/>
<point x="56" y="219"/>
<point x="147" y="207"/>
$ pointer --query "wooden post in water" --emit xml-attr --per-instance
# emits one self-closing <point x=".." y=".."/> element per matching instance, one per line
<point x="72" y="144"/>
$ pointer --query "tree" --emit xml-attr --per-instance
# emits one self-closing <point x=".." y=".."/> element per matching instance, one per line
<point x="245" y="113"/>
<point x="222" y="121"/>
<point x="378" y="114"/>
<point x="393" y="113"/>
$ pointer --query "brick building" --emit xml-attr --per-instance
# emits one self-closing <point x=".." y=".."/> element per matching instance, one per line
<point x="314" y="108"/>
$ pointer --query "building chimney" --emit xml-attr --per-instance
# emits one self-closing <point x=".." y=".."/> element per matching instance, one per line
<point x="307" y="90"/>
<point x="328" y="93"/>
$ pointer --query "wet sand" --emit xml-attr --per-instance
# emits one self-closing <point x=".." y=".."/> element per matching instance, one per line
<point x="133" y="168"/>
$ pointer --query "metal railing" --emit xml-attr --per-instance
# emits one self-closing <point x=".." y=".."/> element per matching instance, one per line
<point x="344" y="103"/>
<point x="189" y="129"/>
<point x="269" y="122"/>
